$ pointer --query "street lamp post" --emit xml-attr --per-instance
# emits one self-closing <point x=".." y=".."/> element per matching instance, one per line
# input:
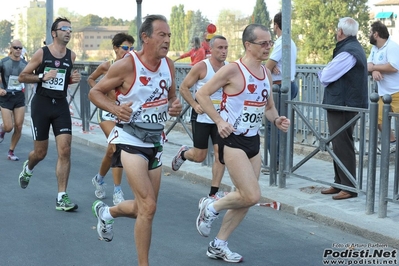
<point x="138" y="23"/>
<point x="49" y="21"/>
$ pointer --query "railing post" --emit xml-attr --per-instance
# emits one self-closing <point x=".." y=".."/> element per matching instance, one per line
<point x="84" y="101"/>
<point x="273" y="140"/>
<point x="384" y="167"/>
<point x="283" y="138"/>
<point x="372" y="155"/>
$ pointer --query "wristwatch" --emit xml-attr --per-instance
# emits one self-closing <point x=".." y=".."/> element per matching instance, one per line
<point x="41" y="76"/>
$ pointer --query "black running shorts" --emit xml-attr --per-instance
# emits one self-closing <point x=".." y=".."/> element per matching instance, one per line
<point x="152" y="155"/>
<point x="12" y="100"/>
<point x="250" y="145"/>
<point x="202" y="132"/>
<point x="47" y="111"/>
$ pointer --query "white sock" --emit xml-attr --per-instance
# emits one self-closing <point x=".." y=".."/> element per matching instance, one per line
<point x="218" y="242"/>
<point x="100" y="179"/>
<point x="60" y="194"/>
<point x="212" y="209"/>
<point x="106" y="215"/>
<point x="27" y="170"/>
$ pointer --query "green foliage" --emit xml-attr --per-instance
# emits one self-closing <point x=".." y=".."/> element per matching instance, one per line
<point x="260" y="15"/>
<point x="71" y="15"/>
<point x="5" y="35"/>
<point x="315" y="24"/>
<point x="230" y="24"/>
<point x="178" y="28"/>
<point x="91" y="20"/>
<point x="35" y="29"/>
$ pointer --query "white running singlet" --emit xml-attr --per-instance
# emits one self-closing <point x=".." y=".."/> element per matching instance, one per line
<point x="216" y="97"/>
<point x="149" y="95"/>
<point x="245" y="109"/>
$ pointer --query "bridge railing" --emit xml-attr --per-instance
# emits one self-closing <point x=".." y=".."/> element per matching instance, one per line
<point x="308" y="128"/>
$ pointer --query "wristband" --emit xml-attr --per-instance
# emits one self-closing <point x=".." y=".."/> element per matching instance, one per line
<point x="274" y="122"/>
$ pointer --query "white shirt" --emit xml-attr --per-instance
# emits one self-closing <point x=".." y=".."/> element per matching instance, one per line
<point x="388" y="53"/>
<point x="277" y="55"/>
<point x="338" y="67"/>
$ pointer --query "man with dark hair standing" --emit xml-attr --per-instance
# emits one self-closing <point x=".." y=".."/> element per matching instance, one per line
<point x="275" y="65"/>
<point x="202" y="125"/>
<point x="12" y="96"/>
<point x="51" y="68"/>
<point x="246" y="99"/>
<point x="383" y="64"/>
<point x="345" y="79"/>
<point x="146" y="93"/>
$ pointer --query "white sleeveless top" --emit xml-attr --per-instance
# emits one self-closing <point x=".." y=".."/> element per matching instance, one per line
<point x="216" y="97"/>
<point x="245" y="109"/>
<point x="149" y="94"/>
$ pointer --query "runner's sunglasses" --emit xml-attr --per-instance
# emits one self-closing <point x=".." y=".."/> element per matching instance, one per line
<point x="127" y="47"/>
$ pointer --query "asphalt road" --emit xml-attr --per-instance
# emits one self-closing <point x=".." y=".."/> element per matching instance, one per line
<point x="32" y="232"/>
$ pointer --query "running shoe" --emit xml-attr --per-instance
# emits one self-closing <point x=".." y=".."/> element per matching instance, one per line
<point x="205" y="218"/>
<point x="100" y="188"/>
<point x="104" y="228"/>
<point x="11" y="156"/>
<point x="65" y="204"/>
<point x="24" y="177"/>
<point x="118" y="197"/>
<point x="222" y="252"/>
<point x="2" y="133"/>
<point x="178" y="160"/>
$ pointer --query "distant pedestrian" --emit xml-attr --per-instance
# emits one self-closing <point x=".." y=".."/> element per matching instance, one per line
<point x="122" y="44"/>
<point x="202" y="125"/>
<point x="51" y="67"/>
<point x="12" y="96"/>
<point x="383" y="64"/>
<point x="146" y="93"/>
<point x="196" y="54"/>
<point x="345" y="79"/>
<point x="246" y="99"/>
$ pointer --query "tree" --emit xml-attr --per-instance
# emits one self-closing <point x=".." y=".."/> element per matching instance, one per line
<point x="315" y="23"/>
<point x="71" y="15"/>
<point x="260" y="15"/>
<point x="34" y="30"/>
<point x="5" y="34"/>
<point x="91" y="20"/>
<point x="231" y="24"/>
<point x="177" y="27"/>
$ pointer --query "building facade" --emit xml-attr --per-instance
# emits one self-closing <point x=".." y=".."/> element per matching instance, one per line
<point x="387" y="11"/>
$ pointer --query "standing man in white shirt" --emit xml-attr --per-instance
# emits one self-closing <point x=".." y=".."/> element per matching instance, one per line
<point x="383" y="63"/>
<point x="275" y="65"/>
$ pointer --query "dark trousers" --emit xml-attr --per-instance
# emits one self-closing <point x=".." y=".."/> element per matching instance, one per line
<point x="343" y="145"/>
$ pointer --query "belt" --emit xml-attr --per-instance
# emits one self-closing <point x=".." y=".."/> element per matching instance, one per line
<point x="13" y="92"/>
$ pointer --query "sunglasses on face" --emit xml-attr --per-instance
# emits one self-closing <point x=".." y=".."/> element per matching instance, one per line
<point x="17" y="47"/>
<point x="65" y="28"/>
<point x="127" y="47"/>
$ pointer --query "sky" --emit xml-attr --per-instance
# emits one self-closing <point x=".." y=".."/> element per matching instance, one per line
<point x="127" y="9"/>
